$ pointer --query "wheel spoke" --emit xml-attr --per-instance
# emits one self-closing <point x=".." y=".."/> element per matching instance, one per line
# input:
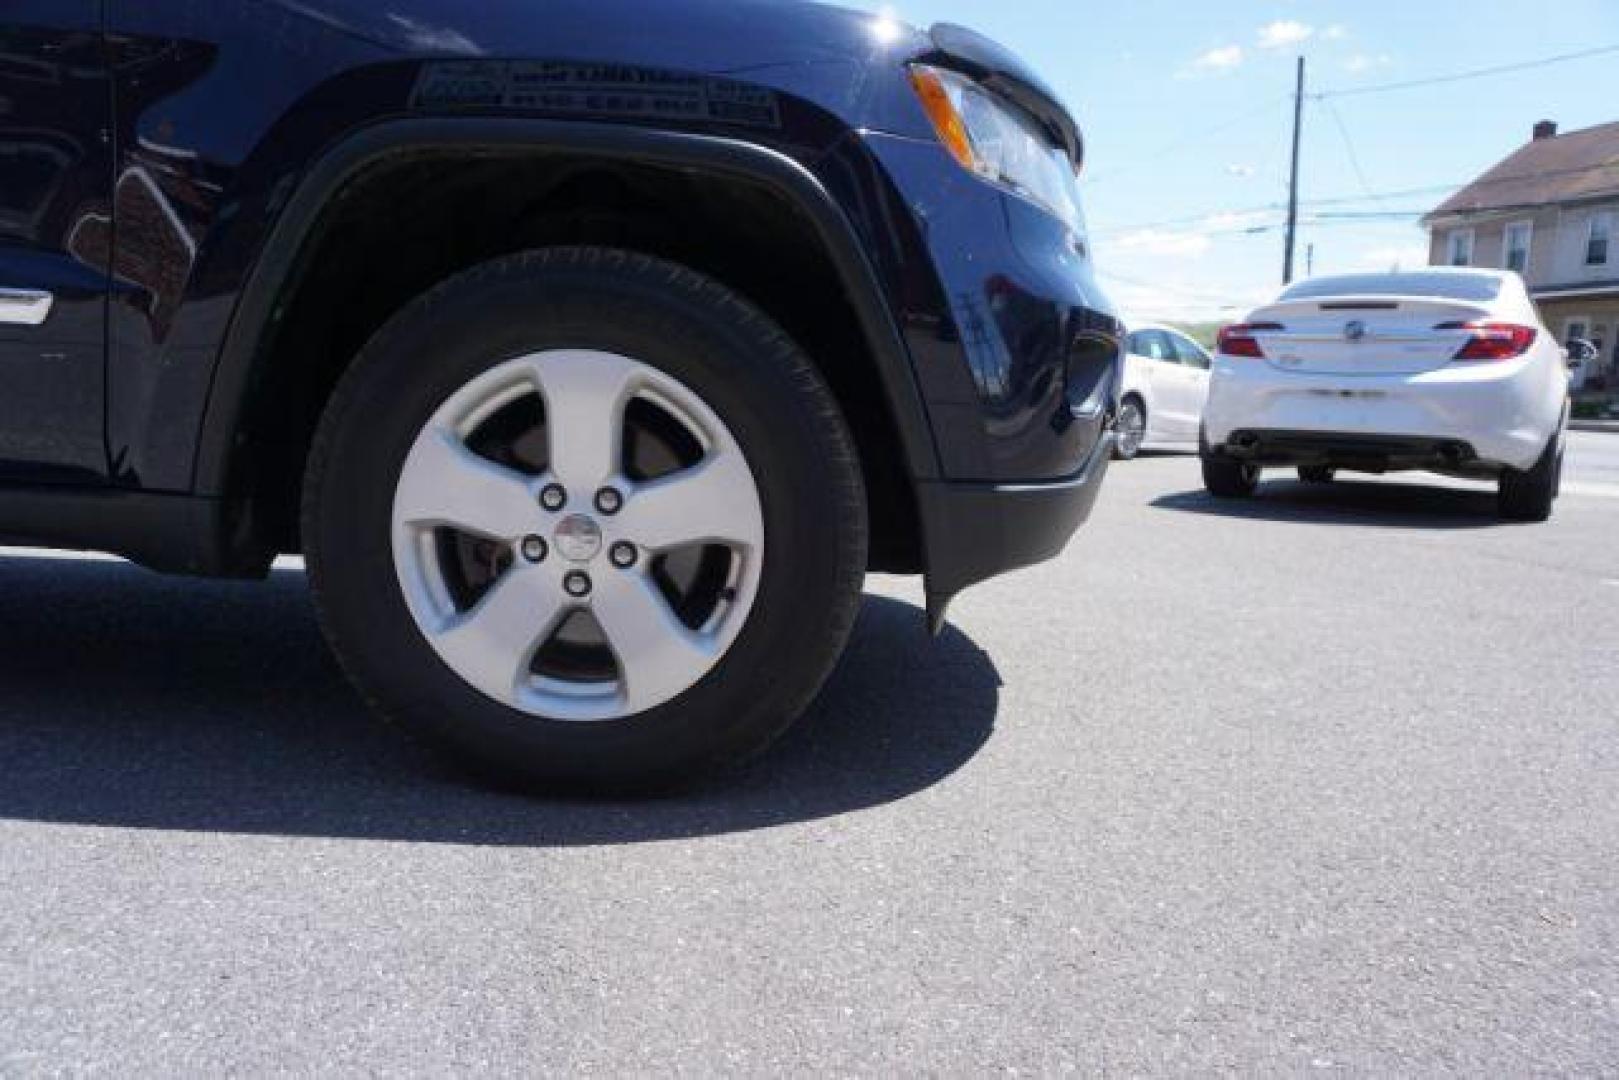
<point x="713" y="502"/>
<point x="492" y="645"/>
<point x="445" y="483"/>
<point x="585" y="394"/>
<point x="658" y="656"/>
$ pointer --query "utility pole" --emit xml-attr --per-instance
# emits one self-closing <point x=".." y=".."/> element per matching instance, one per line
<point x="1309" y="260"/>
<point x="1293" y="182"/>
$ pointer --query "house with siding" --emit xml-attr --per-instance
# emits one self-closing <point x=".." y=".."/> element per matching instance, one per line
<point x="1549" y="210"/>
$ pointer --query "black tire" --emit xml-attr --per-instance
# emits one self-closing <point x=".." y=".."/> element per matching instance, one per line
<point x="1317" y="474"/>
<point x="1528" y="496"/>
<point x="740" y="363"/>
<point x="1132" y="411"/>
<point x="1229" y="479"/>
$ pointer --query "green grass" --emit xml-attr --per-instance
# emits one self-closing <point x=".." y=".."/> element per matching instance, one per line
<point x="1202" y="333"/>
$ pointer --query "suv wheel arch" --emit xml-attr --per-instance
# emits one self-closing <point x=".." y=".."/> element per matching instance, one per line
<point x="298" y="225"/>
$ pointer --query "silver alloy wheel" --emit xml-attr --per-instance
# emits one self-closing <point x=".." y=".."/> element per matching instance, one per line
<point x="1132" y="429"/>
<point x="710" y="504"/>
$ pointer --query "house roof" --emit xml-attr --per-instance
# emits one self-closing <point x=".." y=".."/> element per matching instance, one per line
<point x="1578" y="290"/>
<point x="1556" y="169"/>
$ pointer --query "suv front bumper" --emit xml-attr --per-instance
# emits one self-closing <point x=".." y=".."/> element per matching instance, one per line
<point x="976" y="531"/>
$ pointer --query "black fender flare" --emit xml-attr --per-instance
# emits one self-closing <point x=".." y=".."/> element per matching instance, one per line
<point x="230" y="395"/>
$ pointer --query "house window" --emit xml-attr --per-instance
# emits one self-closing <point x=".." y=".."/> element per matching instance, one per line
<point x="1461" y="248"/>
<point x="1598" y="239"/>
<point x="1519" y="235"/>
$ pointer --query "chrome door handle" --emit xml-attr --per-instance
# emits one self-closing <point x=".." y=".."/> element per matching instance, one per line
<point x="25" y="307"/>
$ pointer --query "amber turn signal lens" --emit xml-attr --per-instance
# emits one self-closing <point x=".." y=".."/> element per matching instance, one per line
<point x="946" y="118"/>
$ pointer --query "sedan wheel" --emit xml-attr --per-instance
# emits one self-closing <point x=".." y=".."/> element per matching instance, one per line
<point x="1226" y="478"/>
<point x="1131" y="429"/>
<point x="1529" y="496"/>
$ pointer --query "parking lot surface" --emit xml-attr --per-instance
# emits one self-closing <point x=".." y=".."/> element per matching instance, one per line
<point x="1321" y="781"/>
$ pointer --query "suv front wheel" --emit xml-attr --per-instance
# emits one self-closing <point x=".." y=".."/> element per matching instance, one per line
<point x="584" y="517"/>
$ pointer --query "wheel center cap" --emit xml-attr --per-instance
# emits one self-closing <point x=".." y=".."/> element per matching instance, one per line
<point x="578" y="538"/>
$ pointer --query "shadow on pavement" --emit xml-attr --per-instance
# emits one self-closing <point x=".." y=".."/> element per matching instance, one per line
<point x="138" y="701"/>
<point x="1346" y="502"/>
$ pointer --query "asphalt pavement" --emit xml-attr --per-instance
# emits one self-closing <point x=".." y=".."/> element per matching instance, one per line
<point x="1328" y="781"/>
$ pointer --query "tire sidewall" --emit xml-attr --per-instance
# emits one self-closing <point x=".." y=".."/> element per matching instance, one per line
<point x="477" y="322"/>
<point x="1529" y="496"/>
<point x="1228" y="479"/>
<point x="1130" y="454"/>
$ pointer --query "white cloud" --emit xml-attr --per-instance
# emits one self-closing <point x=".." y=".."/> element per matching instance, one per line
<point x="1284" y="33"/>
<point x="1224" y="58"/>
<point x="1335" y="32"/>
<point x="1404" y="257"/>
<point x="1190" y="241"/>
<point x="1367" y="62"/>
<point x="1183" y="244"/>
<point x="1237" y="221"/>
<point x="1242" y="172"/>
<point x="1179" y="300"/>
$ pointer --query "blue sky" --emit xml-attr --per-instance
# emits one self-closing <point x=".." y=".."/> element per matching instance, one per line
<point x="1187" y="111"/>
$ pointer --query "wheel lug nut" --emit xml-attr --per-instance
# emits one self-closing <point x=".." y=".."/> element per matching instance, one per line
<point x="554" y="497"/>
<point x="577" y="584"/>
<point x="623" y="555"/>
<point x="609" y="501"/>
<point x="533" y="549"/>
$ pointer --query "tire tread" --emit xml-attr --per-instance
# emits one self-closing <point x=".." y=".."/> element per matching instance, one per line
<point x="779" y="357"/>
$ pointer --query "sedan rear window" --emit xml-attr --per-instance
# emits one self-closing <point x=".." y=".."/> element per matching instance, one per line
<point x="1448" y="286"/>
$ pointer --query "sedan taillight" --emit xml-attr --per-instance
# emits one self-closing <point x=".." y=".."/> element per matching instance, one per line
<point x="1239" y="340"/>
<point x="1492" y="340"/>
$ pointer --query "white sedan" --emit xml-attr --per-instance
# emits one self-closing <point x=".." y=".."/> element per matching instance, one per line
<point x="1447" y="370"/>
<point x="1166" y="382"/>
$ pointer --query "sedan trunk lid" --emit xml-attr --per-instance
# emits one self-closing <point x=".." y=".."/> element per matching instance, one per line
<point x="1364" y="335"/>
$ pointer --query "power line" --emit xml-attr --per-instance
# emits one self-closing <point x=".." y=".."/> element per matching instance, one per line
<point x="1378" y="196"/>
<point x="1190" y="138"/>
<point x="1462" y="76"/>
<point x="1367" y="195"/>
<point x="1385" y="196"/>
<point x="1349" y="146"/>
<point x="1196" y="219"/>
<point x="1483" y="182"/>
<point x="1365" y="215"/>
<point x="1328" y="218"/>
<point x="1189" y="294"/>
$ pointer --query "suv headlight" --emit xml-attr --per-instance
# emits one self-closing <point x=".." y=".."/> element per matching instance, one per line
<point x="997" y="140"/>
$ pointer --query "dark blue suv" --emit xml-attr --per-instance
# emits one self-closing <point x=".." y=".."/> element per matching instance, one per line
<point x="591" y="351"/>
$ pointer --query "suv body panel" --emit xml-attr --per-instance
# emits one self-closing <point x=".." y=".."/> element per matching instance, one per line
<point x="997" y="352"/>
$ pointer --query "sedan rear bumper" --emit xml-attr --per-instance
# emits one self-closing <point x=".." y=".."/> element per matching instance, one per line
<point x="1502" y="413"/>
<point x="1351" y="450"/>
